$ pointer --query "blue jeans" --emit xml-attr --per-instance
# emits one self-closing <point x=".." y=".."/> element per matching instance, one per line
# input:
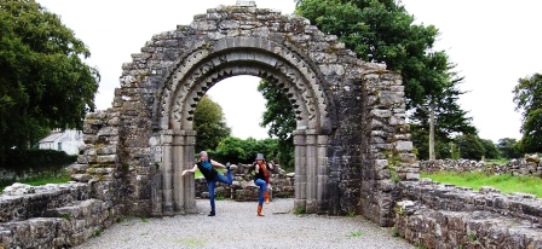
<point x="263" y="187"/>
<point x="211" y="186"/>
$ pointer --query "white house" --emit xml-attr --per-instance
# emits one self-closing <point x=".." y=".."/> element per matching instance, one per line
<point x="66" y="140"/>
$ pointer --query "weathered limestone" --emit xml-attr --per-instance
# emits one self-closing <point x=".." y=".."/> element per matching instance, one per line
<point x="350" y="114"/>
<point x="513" y="167"/>
<point x="52" y="216"/>
<point x="445" y="216"/>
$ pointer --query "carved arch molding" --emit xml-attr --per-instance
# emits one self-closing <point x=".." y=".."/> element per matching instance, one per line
<point x="207" y="64"/>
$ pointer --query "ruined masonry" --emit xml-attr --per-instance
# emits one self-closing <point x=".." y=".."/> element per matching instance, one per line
<point x="351" y="140"/>
<point x="352" y="143"/>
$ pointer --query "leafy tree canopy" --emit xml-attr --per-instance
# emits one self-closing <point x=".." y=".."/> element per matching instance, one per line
<point x="382" y="31"/>
<point x="279" y="117"/>
<point x="210" y="125"/>
<point x="509" y="148"/>
<point x="528" y="99"/>
<point x="236" y="150"/>
<point x="45" y="82"/>
<point x="470" y="146"/>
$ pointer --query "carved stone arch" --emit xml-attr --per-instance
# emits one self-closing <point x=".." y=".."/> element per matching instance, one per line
<point x="209" y="63"/>
<point x="203" y="61"/>
<point x="351" y="143"/>
<point x="192" y="99"/>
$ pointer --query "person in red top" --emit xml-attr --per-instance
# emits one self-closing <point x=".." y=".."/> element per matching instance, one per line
<point x="262" y="180"/>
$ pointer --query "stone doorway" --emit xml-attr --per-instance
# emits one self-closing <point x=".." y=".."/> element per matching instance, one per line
<point x="351" y="141"/>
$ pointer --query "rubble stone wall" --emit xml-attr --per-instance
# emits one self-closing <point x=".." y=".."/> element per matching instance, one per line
<point x="52" y="216"/>
<point x="445" y="216"/>
<point x="244" y="189"/>
<point x="513" y="167"/>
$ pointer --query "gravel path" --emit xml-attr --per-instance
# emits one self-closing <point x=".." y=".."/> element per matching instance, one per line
<point x="237" y="226"/>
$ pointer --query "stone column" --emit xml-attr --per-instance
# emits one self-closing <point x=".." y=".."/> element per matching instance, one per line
<point x="311" y="171"/>
<point x="300" y="172"/>
<point x="166" y="171"/>
<point x="156" y="187"/>
<point x="178" y="167"/>
<point x="188" y="162"/>
<point x="322" y="174"/>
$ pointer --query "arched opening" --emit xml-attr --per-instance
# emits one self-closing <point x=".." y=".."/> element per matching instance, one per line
<point x="351" y="141"/>
<point x="242" y="104"/>
<point x="244" y="56"/>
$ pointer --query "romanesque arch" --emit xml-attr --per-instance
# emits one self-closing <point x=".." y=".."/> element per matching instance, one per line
<point x="212" y="61"/>
<point x="351" y="140"/>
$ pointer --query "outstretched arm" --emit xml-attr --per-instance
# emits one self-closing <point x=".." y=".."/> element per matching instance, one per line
<point x="217" y="164"/>
<point x="192" y="170"/>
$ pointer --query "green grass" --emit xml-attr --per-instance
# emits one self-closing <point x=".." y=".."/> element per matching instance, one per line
<point x="500" y="161"/>
<point x="355" y="234"/>
<point x="504" y="183"/>
<point x="40" y="179"/>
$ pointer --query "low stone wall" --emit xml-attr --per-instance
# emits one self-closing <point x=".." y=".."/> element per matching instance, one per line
<point x="444" y="216"/>
<point x="21" y="202"/>
<point x="52" y="216"/>
<point x="244" y="189"/>
<point x="513" y="167"/>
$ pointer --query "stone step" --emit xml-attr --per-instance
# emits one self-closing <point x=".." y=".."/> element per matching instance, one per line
<point x="63" y="227"/>
<point x="478" y="229"/>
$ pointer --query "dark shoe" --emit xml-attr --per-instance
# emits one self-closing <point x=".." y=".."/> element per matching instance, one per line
<point x="212" y="213"/>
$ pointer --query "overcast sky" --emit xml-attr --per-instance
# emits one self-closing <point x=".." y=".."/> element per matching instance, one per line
<point x="493" y="43"/>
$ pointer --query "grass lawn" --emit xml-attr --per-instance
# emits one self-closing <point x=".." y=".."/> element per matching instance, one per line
<point x="41" y="179"/>
<point x="504" y="183"/>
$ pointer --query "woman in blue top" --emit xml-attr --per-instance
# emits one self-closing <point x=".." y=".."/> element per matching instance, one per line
<point x="207" y="167"/>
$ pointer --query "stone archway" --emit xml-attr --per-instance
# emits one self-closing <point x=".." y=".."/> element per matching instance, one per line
<point x="213" y="61"/>
<point x="351" y="141"/>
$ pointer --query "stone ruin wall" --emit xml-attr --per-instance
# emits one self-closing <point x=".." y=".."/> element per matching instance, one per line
<point x="369" y="152"/>
<point x="445" y="216"/>
<point x="513" y="167"/>
<point x="52" y="216"/>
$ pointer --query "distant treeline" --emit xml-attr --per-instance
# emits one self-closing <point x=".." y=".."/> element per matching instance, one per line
<point x="22" y="160"/>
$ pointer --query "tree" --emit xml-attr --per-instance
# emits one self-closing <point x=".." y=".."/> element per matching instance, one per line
<point x="279" y="116"/>
<point x="209" y="124"/>
<point x="44" y="81"/>
<point x="528" y="99"/>
<point x="382" y="31"/>
<point x="490" y="149"/>
<point x="509" y="148"/>
<point x="236" y="150"/>
<point x="470" y="146"/>
<point x="449" y="118"/>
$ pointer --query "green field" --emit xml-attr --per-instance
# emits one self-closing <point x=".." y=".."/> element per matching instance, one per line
<point x="504" y="183"/>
